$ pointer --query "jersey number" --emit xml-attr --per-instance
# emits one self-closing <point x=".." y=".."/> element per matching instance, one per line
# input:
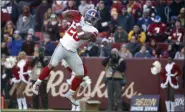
<point x="157" y="29"/>
<point x="72" y="32"/>
<point x="179" y="35"/>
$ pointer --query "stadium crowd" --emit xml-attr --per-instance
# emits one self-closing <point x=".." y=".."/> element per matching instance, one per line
<point x="139" y="26"/>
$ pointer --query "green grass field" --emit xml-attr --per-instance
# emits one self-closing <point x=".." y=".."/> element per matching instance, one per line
<point x="38" y="110"/>
<point x="33" y="110"/>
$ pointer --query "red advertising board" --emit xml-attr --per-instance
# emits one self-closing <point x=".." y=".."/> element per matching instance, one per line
<point x="139" y="82"/>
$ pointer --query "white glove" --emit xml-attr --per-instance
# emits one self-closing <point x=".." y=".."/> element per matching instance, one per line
<point x="86" y="81"/>
<point x="104" y="24"/>
<point x="163" y="86"/>
<point x="3" y="76"/>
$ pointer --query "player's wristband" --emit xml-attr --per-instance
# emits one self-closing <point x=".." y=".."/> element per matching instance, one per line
<point x="80" y="33"/>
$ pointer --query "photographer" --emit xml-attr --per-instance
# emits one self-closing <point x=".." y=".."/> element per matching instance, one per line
<point x="115" y="67"/>
<point x="37" y="64"/>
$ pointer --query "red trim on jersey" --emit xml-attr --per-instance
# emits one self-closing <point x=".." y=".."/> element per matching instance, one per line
<point x="95" y="34"/>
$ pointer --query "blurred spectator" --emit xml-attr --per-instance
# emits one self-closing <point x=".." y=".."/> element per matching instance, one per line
<point x="6" y="76"/>
<point x="138" y="34"/>
<point x="52" y="28"/>
<point x="28" y="45"/>
<point x="170" y="52"/>
<point x="104" y="17"/>
<point x="114" y="20"/>
<point x="6" y="38"/>
<point x="39" y="16"/>
<point x="15" y="44"/>
<point x="180" y="54"/>
<point x="134" y="8"/>
<point x="49" y="47"/>
<point x="91" y="50"/>
<point x="31" y="32"/>
<point x="118" y="5"/>
<point x="163" y="10"/>
<point x="143" y="53"/>
<point x="105" y="49"/>
<point x="124" y="52"/>
<point x="111" y="38"/>
<point x="9" y="28"/>
<point x="177" y="34"/>
<point x="157" y="30"/>
<point x="181" y="16"/>
<point x="25" y="21"/>
<point x="63" y="27"/>
<point x="171" y="24"/>
<point x="153" y="49"/>
<point x="149" y="6"/>
<point x="82" y="6"/>
<point x="146" y="20"/>
<point x="47" y="15"/>
<point x="57" y="5"/>
<point x="120" y="35"/>
<point x="4" y="49"/>
<point x="125" y="20"/>
<point x="13" y="10"/>
<point x="133" y="46"/>
<point x="175" y="7"/>
<point x="71" y="5"/>
<point x="138" y="15"/>
<point x="91" y="5"/>
<point x="4" y="17"/>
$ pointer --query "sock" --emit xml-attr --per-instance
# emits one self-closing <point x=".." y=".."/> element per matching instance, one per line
<point x="24" y="103"/>
<point x="44" y="73"/>
<point x="76" y="83"/>
<point x="69" y="69"/>
<point x="19" y="103"/>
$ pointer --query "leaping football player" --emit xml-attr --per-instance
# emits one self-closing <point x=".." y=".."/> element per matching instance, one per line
<point x="81" y="31"/>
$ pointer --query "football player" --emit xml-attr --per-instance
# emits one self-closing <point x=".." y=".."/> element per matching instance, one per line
<point x="81" y="30"/>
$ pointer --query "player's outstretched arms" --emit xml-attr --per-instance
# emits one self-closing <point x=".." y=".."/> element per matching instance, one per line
<point x="72" y="15"/>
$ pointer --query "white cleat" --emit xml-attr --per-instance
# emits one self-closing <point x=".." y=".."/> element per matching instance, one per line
<point x="69" y="96"/>
<point x="25" y="108"/>
<point x="78" y="108"/>
<point x="73" y="108"/>
<point x="35" y="89"/>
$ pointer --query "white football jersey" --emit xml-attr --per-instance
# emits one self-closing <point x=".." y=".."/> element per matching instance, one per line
<point x="70" y="39"/>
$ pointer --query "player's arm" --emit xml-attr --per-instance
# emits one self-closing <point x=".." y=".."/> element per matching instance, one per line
<point x="72" y="15"/>
<point x="91" y="36"/>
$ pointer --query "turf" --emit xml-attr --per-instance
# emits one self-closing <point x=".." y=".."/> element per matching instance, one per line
<point x="33" y="110"/>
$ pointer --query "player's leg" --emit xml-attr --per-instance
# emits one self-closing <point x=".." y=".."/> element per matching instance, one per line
<point x="55" y="59"/>
<point x="75" y="62"/>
